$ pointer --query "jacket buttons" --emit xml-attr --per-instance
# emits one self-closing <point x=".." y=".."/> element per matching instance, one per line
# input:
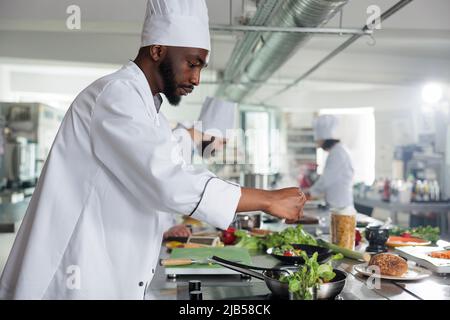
<point x="141" y="284"/>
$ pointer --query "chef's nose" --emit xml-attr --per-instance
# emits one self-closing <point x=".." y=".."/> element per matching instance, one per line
<point x="195" y="78"/>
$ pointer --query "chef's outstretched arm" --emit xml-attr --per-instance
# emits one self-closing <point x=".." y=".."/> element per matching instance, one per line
<point x="284" y="203"/>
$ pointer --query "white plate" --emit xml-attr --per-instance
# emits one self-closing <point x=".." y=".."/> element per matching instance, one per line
<point x="413" y="273"/>
<point x="421" y="256"/>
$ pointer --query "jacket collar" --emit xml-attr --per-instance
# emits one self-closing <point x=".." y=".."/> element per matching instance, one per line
<point x="157" y="99"/>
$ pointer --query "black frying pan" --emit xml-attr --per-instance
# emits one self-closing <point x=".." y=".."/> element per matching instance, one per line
<point x="323" y="254"/>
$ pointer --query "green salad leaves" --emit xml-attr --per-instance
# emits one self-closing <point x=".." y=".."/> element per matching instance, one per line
<point x="288" y="236"/>
<point x="247" y="241"/>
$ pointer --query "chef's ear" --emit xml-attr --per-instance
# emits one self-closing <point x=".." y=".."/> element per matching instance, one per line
<point x="157" y="52"/>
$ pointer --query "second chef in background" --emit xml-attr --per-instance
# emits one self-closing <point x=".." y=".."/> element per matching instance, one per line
<point x="336" y="181"/>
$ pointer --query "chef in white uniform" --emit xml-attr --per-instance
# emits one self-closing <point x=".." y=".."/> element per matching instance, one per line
<point x="336" y="181"/>
<point x="92" y="228"/>
<point x="200" y="140"/>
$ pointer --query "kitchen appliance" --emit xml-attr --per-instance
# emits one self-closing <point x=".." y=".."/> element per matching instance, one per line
<point x="28" y="131"/>
<point x="19" y="163"/>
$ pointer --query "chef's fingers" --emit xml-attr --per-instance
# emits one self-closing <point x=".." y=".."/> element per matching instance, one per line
<point x="303" y="197"/>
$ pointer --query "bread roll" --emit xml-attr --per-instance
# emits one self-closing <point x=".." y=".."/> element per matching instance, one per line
<point x="389" y="264"/>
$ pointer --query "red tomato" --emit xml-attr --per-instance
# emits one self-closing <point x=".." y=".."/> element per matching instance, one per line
<point x="406" y="235"/>
<point x="357" y="237"/>
<point x="228" y="236"/>
<point x="287" y="253"/>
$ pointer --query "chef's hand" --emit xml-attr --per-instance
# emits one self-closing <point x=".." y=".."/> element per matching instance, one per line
<point x="179" y="230"/>
<point x="287" y="204"/>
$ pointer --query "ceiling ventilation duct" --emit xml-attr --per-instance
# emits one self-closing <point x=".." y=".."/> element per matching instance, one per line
<point x="259" y="54"/>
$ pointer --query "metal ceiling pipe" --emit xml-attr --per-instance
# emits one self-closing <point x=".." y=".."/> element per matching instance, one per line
<point x="260" y="54"/>
<point x="396" y="7"/>
<point x="329" y="31"/>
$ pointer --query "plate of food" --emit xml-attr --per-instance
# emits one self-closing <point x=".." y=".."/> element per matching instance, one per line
<point x="392" y="267"/>
<point x="436" y="259"/>
<point x="417" y="235"/>
<point x="441" y="254"/>
<point x="292" y="253"/>
<point x="406" y="241"/>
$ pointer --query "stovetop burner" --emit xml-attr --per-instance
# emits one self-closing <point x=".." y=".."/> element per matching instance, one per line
<point x="254" y="290"/>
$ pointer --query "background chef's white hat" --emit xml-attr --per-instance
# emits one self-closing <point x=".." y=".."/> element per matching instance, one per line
<point x="217" y="116"/>
<point x="180" y="23"/>
<point x="325" y="127"/>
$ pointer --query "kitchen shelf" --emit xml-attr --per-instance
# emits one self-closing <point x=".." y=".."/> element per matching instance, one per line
<point x="301" y="145"/>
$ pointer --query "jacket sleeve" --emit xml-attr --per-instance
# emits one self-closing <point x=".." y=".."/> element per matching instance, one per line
<point x="144" y="160"/>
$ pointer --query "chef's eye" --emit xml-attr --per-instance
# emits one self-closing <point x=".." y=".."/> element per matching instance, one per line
<point x="191" y="65"/>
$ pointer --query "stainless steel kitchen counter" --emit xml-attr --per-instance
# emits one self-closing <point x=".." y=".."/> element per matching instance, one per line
<point x="237" y="287"/>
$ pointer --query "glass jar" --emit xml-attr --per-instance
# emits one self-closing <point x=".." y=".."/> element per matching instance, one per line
<point x="342" y="227"/>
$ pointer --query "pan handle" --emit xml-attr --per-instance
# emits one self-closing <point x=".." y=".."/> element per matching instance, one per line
<point x="242" y="268"/>
<point x="246" y="266"/>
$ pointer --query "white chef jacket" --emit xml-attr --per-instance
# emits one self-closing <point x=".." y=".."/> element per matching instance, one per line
<point x="336" y="182"/>
<point x="92" y="228"/>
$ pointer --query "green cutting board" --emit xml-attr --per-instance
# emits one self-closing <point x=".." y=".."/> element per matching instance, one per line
<point x="229" y="253"/>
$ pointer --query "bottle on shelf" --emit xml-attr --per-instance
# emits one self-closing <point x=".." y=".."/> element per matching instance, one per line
<point x="413" y="190"/>
<point x="386" y="190"/>
<point x="426" y="191"/>
<point x="418" y="191"/>
<point x="437" y="191"/>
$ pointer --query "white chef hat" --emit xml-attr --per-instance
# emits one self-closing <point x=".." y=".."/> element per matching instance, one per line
<point x="217" y="116"/>
<point x="179" y="23"/>
<point x="325" y="127"/>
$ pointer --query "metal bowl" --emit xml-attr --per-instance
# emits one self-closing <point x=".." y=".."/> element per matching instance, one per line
<point x="325" y="291"/>
<point x="331" y="289"/>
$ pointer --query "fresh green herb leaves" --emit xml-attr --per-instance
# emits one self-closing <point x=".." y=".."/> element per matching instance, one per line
<point x="309" y="276"/>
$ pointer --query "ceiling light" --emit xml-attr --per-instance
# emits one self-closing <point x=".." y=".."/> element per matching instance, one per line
<point x="432" y="93"/>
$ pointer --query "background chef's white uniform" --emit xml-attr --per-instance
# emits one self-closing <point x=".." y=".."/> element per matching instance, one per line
<point x="216" y="117"/>
<point x="92" y="229"/>
<point x="336" y="181"/>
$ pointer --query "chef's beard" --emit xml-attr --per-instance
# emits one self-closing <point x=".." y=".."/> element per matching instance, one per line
<point x="170" y="86"/>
